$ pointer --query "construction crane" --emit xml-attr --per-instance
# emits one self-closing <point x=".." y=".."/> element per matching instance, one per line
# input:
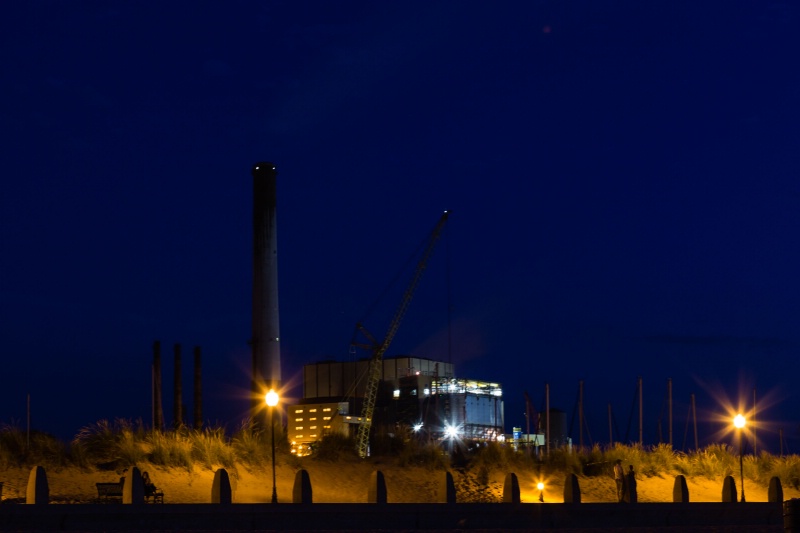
<point x="379" y="348"/>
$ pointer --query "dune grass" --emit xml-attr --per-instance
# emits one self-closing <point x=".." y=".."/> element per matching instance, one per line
<point x="117" y="445"/>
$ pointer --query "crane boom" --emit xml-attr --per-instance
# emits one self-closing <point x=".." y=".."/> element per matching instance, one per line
<point x="376" y="361"/>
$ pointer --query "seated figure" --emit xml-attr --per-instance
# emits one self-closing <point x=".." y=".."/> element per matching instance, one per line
<point x="150" y="490"/>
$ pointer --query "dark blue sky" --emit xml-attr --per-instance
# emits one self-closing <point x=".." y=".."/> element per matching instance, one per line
<point x="622" y="177"/>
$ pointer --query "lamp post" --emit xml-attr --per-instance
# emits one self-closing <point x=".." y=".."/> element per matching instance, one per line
<point x="272" y="401"/>
<point x="739" y="422"/>
<point x="540" y="486"/>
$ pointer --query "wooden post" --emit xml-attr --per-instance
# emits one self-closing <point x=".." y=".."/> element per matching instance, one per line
<point x="669" y="400"/>
<point x="158" y="411"/>
<point x="580" y="414"/>
<point x="178" y="393"/>
<point x="694" y="418"/>
<point x="198" y="390"/>
<point x="641" y="403"/>
<point x="547" y="403"/>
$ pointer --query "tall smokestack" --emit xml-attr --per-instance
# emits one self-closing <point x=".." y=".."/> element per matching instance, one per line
<point x="265" y="341"/>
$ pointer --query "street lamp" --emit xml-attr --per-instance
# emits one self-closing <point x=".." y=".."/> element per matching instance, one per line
<point x="540" y="486"/>
<point x="272" y="401"/>
<point x="739" y="422"/>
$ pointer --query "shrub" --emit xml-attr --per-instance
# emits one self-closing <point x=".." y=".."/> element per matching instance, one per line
<point x="334" y="446"/>
<point x="16" y="449"/>
<point x="171" y="449"/>
<point x="249" y="445"/>
<point x="110" y="446"/>
<point x="210" y="447"/>
<point x="428" y="455"/>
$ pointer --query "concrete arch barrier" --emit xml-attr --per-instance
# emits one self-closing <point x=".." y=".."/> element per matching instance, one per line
<point x="775" y="490"/>
<point x="377" y="488"/>
<point x="133" y="489"/>
<point x="572" y="489"/>
<point x="38" y="492"/>
<point x="729" y="490"/>
<point x="511" y="489"/>
<point x="221" y="487"/>
<point x="447" y="489"/>
<point x="302" y="492"/>
<point x="680" y="490"/>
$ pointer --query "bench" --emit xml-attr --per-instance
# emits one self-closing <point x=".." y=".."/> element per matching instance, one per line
<point x="155" y="493"/>
<point x="108" y="491"/>
<point x="112" y="491"/>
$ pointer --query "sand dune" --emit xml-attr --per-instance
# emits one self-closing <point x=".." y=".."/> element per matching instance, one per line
<point x="347" y="481"/>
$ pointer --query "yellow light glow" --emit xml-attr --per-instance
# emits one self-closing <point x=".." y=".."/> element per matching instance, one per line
<point x="272" y="398"/>
<point x="540" y="486"/>
<point x="739" y="421"/>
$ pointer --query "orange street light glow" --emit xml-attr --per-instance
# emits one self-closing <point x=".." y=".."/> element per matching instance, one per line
<point x="272" y="398"/>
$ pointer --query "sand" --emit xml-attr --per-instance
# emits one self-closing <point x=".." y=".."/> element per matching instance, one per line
<point x="347" y="481"/>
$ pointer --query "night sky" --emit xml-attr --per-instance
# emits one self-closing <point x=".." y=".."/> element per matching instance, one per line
<point x="622" y="176"/>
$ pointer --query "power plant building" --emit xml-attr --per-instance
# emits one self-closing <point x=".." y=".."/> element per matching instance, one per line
<point x="414" y="394"/>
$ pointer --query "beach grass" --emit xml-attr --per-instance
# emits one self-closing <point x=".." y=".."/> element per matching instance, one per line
<point x="119" y="444"/>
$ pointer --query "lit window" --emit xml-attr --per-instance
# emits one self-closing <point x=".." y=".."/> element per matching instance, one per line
<point x="312" y="427"/>
<point x="414" y="392"/>
<point x="314" y="418"/>
<point x="299" y="411"/>
<point x="326" y="427"/>
<point x="312" y="410"/>
<point x="427" y="392"/>
<point x="326" y="409"/>
<point x="314" y="436"/>
<point x="396" y="393"/>
<point x="298" y="419"/>
<point x="299" y="437"/>
<point x="328" y="418"/>
<point x="298" y="428"/>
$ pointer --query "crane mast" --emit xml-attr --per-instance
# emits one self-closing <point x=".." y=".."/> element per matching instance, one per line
<point x="378" y="349"/>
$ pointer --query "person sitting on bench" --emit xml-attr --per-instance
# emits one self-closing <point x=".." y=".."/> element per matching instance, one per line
<point x="150" y="490"/>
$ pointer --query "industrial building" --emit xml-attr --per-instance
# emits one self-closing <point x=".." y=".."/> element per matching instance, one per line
<point x="414" y="394"/>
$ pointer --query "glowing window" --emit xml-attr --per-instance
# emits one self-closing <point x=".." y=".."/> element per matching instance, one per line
<point x="313" y="418"/>
<point x="396" y="393"/>
<point x="298" y="428"/>
<point x="326" y="409"/>
<point x="312" y="427"/>
<point x="299" y="411"/>
<point x="298" y="419"/>
<point x="312" y="410"/>
<point x="326" y="418"/>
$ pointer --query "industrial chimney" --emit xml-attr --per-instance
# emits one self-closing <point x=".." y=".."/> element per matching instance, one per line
<point x="265" y="342"/>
